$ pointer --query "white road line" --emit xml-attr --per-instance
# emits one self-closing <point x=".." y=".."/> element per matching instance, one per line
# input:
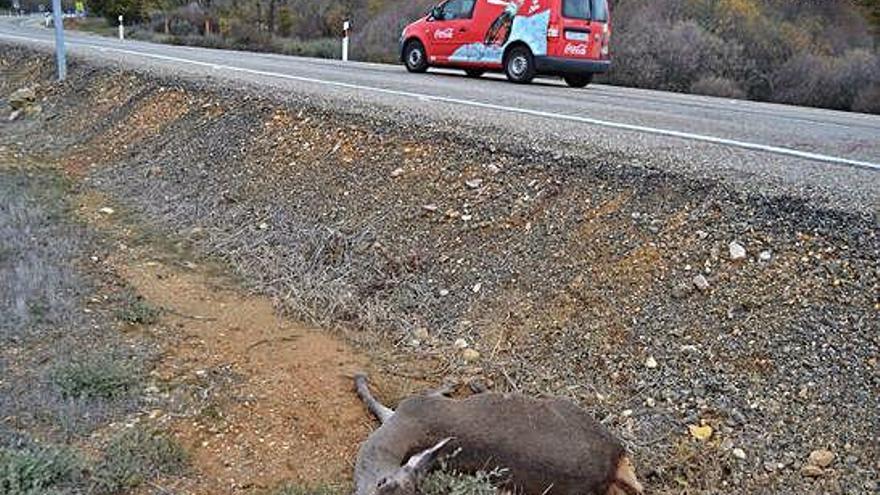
<point x="502" y="108"/>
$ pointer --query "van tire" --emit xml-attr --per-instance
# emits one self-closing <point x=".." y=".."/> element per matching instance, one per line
<point x="579" y="80"/>
<point x="519" y="65"/>
<point x="415" y="57"/>
<point x="475" y="73"/>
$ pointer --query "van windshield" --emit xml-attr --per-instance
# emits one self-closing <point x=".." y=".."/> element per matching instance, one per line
<point x="576" y="9"/>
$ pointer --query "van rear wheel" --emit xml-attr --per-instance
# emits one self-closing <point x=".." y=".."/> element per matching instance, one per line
<point x="414" y="57"/>
<point x="519" y="65"/>
<point x="578" y="81"/>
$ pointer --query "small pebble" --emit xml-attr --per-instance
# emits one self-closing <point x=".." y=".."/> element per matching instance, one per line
<point x="470" y="355"/>
<point x="651" y="363"/>
<point x="737" y="251"/>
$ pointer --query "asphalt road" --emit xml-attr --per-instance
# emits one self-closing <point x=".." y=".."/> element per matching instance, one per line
<point x="820" y="155"/>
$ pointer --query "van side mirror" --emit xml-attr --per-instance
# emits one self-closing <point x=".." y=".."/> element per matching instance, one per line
<point x="436" y="13"/>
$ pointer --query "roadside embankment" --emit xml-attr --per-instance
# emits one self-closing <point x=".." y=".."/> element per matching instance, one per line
<point x="661" y="303"/>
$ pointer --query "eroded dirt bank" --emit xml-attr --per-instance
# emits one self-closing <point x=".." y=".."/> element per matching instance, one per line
<point x="598" y="280"/>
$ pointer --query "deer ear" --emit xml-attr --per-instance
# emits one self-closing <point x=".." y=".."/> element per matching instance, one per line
<point x="422" y="462"/>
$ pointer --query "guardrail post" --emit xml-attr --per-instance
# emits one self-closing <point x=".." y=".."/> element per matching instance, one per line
<point x="345" y="27"/>
<point x="60" y="55"/>
<point x="121" y="29"/>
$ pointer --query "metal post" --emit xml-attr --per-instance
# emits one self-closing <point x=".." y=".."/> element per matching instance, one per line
<point x="60" y="55"/>
<point x="121" y="29"/>
<point x="345" y="27"/>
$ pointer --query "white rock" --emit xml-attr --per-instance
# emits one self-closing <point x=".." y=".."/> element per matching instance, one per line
<point x="739" y="453"/>
<point x="107" y="210"/>
<point x="701" y="283"/>
<point x="470" y="355"/>
<point x="460" y="344"/>
<point x="444" y="292"/>
<point x="477" y="288"/>
<point x="397" y="172"/>
<point x="474" y="183"/>
<point x="765" y="256"/>
<point x="651" y="362"/>
<point x="263" y="226"/>
<point x="821" y="458"/>
<point x="737" y="251"/>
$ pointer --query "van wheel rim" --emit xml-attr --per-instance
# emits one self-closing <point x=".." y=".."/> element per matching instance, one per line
<point x="518" y="65"/>
<point x="415" y="57"/>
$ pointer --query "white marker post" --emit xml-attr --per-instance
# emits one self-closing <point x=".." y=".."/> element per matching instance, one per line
<point x="121" y="29"/>
<point x="345" y="27"/>
<point x="60" y="55"/>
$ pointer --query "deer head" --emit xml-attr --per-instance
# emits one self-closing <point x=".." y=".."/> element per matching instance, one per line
<point x="406" y="480"/>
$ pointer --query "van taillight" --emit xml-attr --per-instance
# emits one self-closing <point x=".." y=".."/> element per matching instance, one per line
<point x="606" y="41"/>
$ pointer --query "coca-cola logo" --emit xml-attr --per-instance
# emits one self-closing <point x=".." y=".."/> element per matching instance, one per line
<point x="575" y="49"/>
<point x="444" y="34"/>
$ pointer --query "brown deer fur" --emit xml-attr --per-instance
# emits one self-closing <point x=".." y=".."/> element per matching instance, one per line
<point x="547" y="446"/>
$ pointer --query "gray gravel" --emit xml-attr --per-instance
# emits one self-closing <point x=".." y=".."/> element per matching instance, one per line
<point x="566" y="273"/>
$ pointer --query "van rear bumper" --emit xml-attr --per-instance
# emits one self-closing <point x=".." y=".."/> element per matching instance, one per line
<point x="563" y="66"/>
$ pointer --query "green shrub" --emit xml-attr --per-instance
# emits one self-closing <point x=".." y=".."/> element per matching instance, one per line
<point x="96" y="377"/>
<point x="134" y="456"/>
<point x="36" y="472"/>
<point x="306" y="490"/>
<point x="445" y="482"/>
<point x="139" y="312"/>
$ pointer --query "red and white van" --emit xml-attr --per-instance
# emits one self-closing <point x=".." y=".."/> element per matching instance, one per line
<point x="523" y="38"/>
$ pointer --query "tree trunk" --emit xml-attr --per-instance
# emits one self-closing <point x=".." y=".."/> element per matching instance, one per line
<point x="272" y="16"/>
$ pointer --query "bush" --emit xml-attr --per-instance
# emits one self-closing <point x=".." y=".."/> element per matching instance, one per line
<point x="36" y="472"/>
<point x="868" y="100"/>
<point x="138" y="312"/>
<point x="322" y="48"/>
<point x="445" y="482"/>
<point x="96" y="377"/>
<point x="672" y="56"/>
<point x="826" y="81"/>
<point x="306" y="490"/>
<point x="717" y="86"/>
<point x="136" y="455"/>
<point x="181" y="27"/>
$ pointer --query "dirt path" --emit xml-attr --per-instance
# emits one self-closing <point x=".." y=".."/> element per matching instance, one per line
<point x="274" y="398"/>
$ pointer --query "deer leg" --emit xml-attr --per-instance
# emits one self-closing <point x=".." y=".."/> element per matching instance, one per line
<point x="381" y="412"/>
<point x="625" y="482"/>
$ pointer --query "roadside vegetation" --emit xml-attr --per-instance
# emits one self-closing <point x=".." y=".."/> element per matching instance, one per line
<point x="67" y="373"/>
<point x="821" y="54"/>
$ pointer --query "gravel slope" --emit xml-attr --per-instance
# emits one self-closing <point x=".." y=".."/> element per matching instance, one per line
<point x="582" y="274"/>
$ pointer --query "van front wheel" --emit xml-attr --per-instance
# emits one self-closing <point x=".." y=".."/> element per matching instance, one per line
<point x="578" y="81"/>
<point x="519" y="65"/>
<point x="414" y="57"/>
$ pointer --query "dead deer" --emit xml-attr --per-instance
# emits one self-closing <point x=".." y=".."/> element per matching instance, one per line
<point x="546" y="446"/>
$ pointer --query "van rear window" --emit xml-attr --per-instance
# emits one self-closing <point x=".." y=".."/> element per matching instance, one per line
<point x="596" y="10"/>
<point x="576" y="9"/>
<point x="600" y="10"/>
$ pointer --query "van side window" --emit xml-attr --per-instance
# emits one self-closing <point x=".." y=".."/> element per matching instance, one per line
<point x="458" y="9"/>
<point x="576" y="9"/>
